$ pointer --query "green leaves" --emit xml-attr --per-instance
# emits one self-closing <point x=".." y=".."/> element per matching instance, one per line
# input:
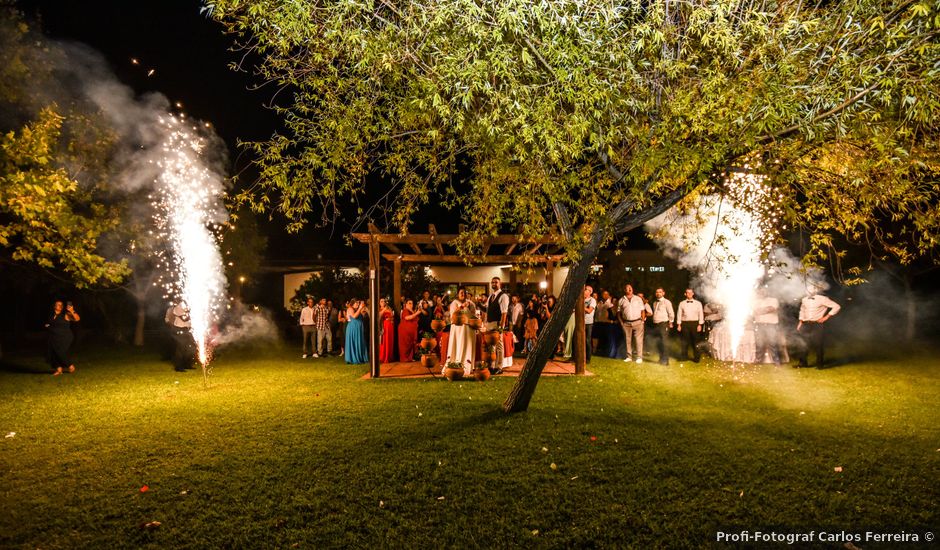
<point x="532" y="96"/>
<point x="47" y="219"/>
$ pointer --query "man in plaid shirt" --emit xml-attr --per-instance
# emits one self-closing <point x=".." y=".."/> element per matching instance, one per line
<point x="321" y="320"/>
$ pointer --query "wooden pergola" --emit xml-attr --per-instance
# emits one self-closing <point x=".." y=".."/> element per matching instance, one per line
<point x="435" y="248"/>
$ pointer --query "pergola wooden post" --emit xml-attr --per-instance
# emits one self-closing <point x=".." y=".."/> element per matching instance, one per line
<point x="518" y="250"/>
<point x="374" y="259"/>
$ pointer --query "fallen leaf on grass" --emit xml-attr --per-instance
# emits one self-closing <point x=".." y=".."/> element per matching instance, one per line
<point x="802" y="413"/>
<point x="11" y="435"/>
<point x="144" y="489"/>
<point x="574" y="478"/>
<point x="838" y="468"/>
<point x="554" y="466"/>
<point x="150" y="525"/>
<point x="544" y="449"/>
<point x="381" y="504"/>
<point x="535" y="532"/>
<point x="741" y="495"/>
<point x="593" y="438"/>
<point x="440" y="498"/>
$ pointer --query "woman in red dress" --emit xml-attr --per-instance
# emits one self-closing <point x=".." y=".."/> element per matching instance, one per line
<point x="387" y="344"/>
<point x="407" y="333"/>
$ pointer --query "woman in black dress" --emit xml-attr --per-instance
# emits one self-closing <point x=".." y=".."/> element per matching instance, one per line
<point x="60" y="337"/>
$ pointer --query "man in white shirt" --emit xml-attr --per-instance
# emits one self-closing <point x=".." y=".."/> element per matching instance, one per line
<point x="766" y="321"/>
<point x="308" y="326"/>
<point x="690" y="318"/>
<point x="631" y="311"/>
<point x="589" y="304"/>
<point x="663" y="318"/>
<point x="815" y="310"/>
<point x="517" y="318"/>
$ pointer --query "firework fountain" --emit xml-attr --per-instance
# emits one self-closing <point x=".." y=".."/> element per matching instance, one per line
<point x="727" y="240"/>
<point x="188" y="205"/>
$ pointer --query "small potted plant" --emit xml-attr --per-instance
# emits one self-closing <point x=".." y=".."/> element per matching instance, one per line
<point x="438" y="324"/>
<point x="480" y="372"/>
<point x="428" y="341"/>
<point x="428" y="359"/>
<point x="453" y="371"/>
<point x="474" y="322"/>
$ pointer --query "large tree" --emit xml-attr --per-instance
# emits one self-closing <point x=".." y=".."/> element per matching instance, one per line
<point x="592" y="115"/>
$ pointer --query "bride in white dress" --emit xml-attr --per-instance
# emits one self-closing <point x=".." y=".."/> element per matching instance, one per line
<point x="462" y="341"/>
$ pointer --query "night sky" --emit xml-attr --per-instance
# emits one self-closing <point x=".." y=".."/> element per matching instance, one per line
<point x="190" y="56"/>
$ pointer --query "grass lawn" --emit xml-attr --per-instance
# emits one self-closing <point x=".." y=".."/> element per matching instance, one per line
<point x="283" y="452"/>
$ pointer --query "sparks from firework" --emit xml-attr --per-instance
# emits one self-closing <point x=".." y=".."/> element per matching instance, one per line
<point x="727" y="240"/>
<point x="186" y="200"/>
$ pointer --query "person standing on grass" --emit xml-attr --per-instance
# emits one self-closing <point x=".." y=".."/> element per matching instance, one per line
<point x="766" y="321"/>
<point x="308" y="326"/>
<point x="321" y="320"/>
<point x="357" y="352"/>
<point x="663" y="318"/>
<point x="815" y="310"/>
<point x="59" y="326"/>
<point x="333" y="323"/>
<point x="517" y="318"/>
<point x="631" y="311"/>
<point x="590" y="303"/>
<point x="184" y="354"/>
<point x="691" y="319"/>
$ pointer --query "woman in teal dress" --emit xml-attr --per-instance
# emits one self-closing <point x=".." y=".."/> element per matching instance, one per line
<point x="356" y="350"/>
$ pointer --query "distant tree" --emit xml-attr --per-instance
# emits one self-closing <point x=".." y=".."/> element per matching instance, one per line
<point x="593" y="116"/>
<point x="335" y="283"/>
<point x="51" y="160"/>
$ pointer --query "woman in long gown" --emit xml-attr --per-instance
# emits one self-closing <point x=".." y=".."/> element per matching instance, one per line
<point x="356" y="350"/>
<point x="408" y="332"/>
<point x="387" y="345"/>
<point x="60" y="337"/>
<point x="462" y="341"/>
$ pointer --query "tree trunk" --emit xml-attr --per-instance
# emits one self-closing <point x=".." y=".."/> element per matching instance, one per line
<point x="571" y="291"/>
<point x="139" y="327"/>
<point x="910" y="310"/>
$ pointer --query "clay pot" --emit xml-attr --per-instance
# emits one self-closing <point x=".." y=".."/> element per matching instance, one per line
<point x="438" y="325"/>
<point x="458" y="319"/>
<point x="491" y="338"/>
<point x="429" y="343"/>
<point x="429" y="360"/>
<point x="481" y="375"/>
<point x="453" y="374"/>
<point x="474" y="323"/>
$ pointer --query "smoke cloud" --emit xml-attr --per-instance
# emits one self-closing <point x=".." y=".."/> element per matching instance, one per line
<point x="166" y="169"/>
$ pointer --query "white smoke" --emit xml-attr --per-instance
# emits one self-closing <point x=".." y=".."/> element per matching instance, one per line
<point x="250" y="327"/>
<point x="176" y="162"/>
<point x="721" y="244"/>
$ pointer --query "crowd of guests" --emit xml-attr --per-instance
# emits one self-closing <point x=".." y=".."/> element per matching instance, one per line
<point x="614" y="327"/>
